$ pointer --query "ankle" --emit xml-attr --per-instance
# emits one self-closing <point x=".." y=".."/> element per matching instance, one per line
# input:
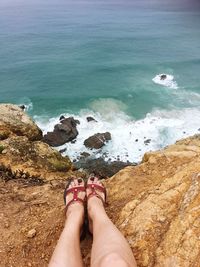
<point x="95" y="208"/>
<point x="75" y="214"/>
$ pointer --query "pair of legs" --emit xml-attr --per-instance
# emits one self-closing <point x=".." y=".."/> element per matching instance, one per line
<point x="109" y="249"/>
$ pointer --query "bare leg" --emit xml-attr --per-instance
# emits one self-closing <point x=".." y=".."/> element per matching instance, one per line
<point x="67" y="252"/>
<point x="110" y="248"/>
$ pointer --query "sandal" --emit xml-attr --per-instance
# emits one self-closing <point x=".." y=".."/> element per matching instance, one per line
<point x="95" y="188"/>
<point x="76" y="190"/>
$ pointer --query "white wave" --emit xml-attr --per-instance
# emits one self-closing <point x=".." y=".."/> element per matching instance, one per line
<point x="166" y="80"/>
<point x="128" y="136"/>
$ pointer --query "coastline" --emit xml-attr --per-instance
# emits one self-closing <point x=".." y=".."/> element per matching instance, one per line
<point x="148" y="202"/>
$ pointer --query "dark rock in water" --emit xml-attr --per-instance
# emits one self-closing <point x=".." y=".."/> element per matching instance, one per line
<point x="148" y="141"/>
<point x="100" y="167"/>
<point x="199" y="129"/>
<point x="23" y="107"/>
<point x="84" y="155"/>
<point x="63" y="132"/>
<point x="163" y="77"/>
<point x="90" y="119"/>
<point x="73" y="141"/>
<point x="70" y="120"/>
<point x="98" y="140"/>
<point x="62" y="118"/>
<point x="136" y="140"/>
<point x="184" y="132"/>
<point x="63" y="150"/>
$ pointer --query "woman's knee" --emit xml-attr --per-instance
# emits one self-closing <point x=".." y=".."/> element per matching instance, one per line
<point x="113" y="259"/>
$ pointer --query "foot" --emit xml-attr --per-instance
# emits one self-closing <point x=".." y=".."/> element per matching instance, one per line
<point x="95" y="201"/>
<point x="75" y="208"/>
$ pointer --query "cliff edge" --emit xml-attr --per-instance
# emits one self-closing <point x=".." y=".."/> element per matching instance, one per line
<point x="156" y="204"/>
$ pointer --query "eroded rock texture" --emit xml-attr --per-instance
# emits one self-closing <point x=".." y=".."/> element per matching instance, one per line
<point x="158" y="206"/>
<point x="13" y="120"/>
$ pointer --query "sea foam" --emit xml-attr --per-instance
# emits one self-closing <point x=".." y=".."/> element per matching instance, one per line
<point x="167" y="82"/>
<point x="162" y="127"/>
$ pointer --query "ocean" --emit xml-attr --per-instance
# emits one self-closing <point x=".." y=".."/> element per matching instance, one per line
<point x="105" y="59"/>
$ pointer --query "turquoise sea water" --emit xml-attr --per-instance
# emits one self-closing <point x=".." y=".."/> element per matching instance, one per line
<point x="99" y="58"/>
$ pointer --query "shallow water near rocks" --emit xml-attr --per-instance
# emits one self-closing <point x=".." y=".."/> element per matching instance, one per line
<point x="91" y="58"/>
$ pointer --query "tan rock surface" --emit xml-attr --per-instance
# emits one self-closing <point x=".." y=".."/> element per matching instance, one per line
<point x="156" y="205"/>
<point x="35" y="158"/>
<point x="14" y="120"/>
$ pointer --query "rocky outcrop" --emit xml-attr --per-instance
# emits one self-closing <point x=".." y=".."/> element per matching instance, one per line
<point x="157" y="206"/>
<point x="97" y="140"/>
<point x="63" y="132"/>
<point x="32" y="157"/>
<point x="20" y="153"/>
<point x="13" y="121"/>
<point x="154" y="204"/>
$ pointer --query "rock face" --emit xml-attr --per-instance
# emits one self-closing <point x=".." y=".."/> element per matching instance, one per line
<point x="33" y="157"/>
<point x="98" y="140"/>
<point x="20" y="153"/>
<point x="157" y="206"/>
<point x="13" y="120"/>
<point x="64" y="132"/>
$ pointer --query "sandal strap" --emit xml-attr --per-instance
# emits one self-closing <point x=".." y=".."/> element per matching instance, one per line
<point x="82" y="201"/>
<point x="95" y="187"/>
<point x="92" y="194"/>
<point x="98" y="187"/>
<point x="75" y="191"/>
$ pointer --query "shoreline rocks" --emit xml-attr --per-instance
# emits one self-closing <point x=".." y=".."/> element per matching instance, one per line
<point x="63" y="132"/>
<point x="100" y="166"/>
<point x="97" y="140"/>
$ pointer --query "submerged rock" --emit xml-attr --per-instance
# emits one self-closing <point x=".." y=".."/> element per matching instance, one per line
<point x="97" y="140"/>
<point x="147" y="141"/>
<point x="63" y="132"/>
<point x="163" y="76"/>
<point x="90" y="119"/>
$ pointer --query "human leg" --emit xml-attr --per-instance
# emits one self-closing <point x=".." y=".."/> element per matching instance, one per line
<point x="110" y="248"/>
<point x="67" y="252"/>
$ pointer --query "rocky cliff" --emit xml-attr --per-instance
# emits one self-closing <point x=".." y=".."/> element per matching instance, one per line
<point x="155" y="204"/>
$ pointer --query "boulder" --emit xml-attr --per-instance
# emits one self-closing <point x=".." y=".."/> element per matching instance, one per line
<point x="15" y="121"/>
<point x="90" y="119"/>
<point x="97" y="140"/>
<point x="163" y="77"/>
<point x="147" y="141"/>
<point x="63" y="132"/>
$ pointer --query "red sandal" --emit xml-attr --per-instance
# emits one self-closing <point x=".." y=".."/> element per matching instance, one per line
<point x="97" y="187"/>
<point x="75" y="190"/>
